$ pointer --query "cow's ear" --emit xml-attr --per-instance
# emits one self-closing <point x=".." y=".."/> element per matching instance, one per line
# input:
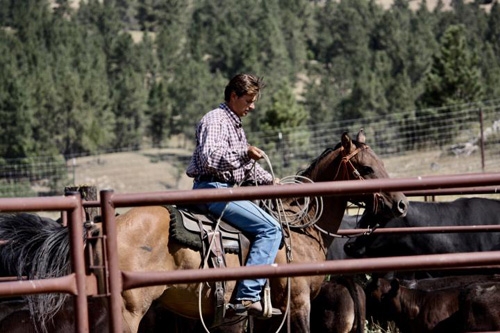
<point x="414" y="311"/>
<point x="394" y="286"/>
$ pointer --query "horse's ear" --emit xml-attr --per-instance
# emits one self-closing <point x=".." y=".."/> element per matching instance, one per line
<point x="361" y="136"/>
<point x="346" y="142"/>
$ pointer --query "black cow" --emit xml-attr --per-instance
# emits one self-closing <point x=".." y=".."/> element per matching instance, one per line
<point x="336" y="249"/>
<point x="461" y="212"/>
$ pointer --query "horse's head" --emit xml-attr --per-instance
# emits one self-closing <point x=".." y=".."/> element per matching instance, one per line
<point x="355" y="160"/>
<point x="358" y="161"/>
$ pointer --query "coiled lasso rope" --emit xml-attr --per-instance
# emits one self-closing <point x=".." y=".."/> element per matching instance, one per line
<point x="299" y="216"/>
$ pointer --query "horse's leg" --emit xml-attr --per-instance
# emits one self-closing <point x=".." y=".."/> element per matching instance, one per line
<point x="300" y="313"/>
<point x="299" y="316"/>
<point x="136" y="303"/>
<point x="142" y="246"/>
<point x="302" y="288"/>
<point x="299" y="320"/>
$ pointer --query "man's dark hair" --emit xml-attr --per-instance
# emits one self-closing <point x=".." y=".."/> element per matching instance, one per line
<point x="243" y="84"/>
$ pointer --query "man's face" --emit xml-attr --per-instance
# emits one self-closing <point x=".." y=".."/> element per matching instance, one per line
<point x="242" y="105"/>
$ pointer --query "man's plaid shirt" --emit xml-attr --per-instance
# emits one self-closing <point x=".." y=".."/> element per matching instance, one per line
<point x="221" y="150"/>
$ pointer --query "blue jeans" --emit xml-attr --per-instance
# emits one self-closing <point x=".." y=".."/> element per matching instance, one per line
<point x="262" y="229"/>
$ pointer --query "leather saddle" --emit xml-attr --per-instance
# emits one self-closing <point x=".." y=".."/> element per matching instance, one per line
<point x="203" y="232"/>
<point x="195" y="228"/>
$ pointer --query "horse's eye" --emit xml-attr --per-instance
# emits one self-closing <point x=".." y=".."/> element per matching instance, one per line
<point x="366" y="170"/>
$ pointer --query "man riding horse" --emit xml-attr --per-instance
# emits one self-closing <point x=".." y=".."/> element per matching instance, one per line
<point x="223" y="158"/>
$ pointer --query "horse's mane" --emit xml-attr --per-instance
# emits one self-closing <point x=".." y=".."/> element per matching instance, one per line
<point x="307" y="172"/>
<point x="314" y="163"/>
<point x="36" y="248"/>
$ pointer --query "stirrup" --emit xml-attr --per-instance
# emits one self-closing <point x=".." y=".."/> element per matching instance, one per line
<point x="267" y="308"/>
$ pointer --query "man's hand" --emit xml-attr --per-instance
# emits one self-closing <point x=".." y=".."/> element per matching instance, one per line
<point x="255" y="153"/>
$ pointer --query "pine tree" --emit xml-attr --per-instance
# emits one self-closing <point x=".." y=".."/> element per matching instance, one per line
<point x="159" y="114"/>
<point x="454" y="79"/>
<point x="280" y="123"/>
<point x="171" y="37"/>
<point x="490" y="72"/>
<point x="193" y="91"/>
<point x="368" y="97"/>
<point x="90" y="63"/>
<point x="146" y="15"/>
<point x="343" y="47"/>
<point x="421" y="47"/>
<point x="323" y="94"/>
<point x="493" y="31"/>
<point x="129" y="94"/>
<point x="297" y="28"/>
<point x="15" y="115"/>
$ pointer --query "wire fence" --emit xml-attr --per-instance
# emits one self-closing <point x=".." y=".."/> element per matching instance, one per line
<point x="453" y="140"/>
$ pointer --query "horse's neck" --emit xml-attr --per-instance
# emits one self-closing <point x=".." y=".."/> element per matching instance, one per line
<point x="333" y="212"/>
<point x="333" y="206"/>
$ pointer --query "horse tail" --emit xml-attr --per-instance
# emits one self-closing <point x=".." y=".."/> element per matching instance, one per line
<point x="35" y="248"/>
<point x="359" y="310"/>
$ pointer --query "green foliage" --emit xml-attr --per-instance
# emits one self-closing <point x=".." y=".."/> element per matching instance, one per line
<point x="129" y="94"/>
<point x="285" y="113"/>
<point x="16" y="138"/>
<point x="454" y="74"/>
<point x="278" y="127"/>
<point x="159" y="114"/>
<point x="15" y="189"/>
<point x="493" y="30"/>
<point x="297" y="27"/>
<point x="193" y="91"/>
<point x="74" y="81"/>
<point x="453" y="79"/>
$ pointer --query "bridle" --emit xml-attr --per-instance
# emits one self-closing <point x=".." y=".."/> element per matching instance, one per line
<point x="349" y="172"/>
<point x="346" y="169"/>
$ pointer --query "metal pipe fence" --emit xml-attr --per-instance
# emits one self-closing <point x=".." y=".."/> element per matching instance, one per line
<point x="118" y="281"/>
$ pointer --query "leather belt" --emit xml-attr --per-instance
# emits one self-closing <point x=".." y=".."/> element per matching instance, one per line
<point x="211" y="178"/>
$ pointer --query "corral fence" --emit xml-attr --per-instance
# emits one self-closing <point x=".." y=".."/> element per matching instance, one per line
<point x="81" y="285"/>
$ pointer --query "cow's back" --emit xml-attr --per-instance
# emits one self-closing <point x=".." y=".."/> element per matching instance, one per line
<point x="461" y="212"/>
<point x="480" y="307"/>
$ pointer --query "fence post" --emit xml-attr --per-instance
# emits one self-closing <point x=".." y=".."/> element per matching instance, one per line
<point x="88" y="193"/>
<point x="78" y="264"/>
<point x="482" y="137"/>
<point x="114" y="274"/>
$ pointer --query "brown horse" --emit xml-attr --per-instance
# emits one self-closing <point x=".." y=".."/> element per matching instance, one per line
<point x="144" y="244"/>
